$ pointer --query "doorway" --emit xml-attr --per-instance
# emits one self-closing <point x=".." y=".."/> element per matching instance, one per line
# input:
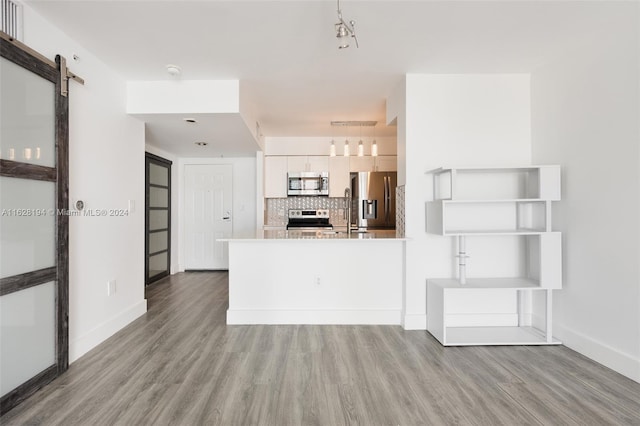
<point x="34" y="224"/>
<point x="157" y="242"/>
<point x="208" y="215"/>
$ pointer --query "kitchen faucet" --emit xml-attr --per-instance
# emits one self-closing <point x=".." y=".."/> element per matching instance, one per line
<point x="347" y="200"/>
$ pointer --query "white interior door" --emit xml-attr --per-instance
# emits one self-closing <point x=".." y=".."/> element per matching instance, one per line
<point x="208" y="215"/>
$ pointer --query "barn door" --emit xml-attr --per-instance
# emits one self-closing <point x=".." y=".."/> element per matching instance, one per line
<point x="33" y="222"/>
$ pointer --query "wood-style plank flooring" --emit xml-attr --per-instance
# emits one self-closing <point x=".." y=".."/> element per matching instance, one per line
<point x="181" y="364"/>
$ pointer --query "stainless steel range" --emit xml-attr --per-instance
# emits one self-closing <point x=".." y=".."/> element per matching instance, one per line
<point x="309" y="219"/>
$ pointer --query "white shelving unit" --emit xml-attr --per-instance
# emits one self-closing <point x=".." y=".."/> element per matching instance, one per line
<point x="500" y="201"/>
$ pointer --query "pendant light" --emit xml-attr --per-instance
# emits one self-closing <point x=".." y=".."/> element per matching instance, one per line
<point x="346" y="147"/>
<point x="332" y="148"/>
<point x="374" y="145"/>
<point x="346" y="144"/>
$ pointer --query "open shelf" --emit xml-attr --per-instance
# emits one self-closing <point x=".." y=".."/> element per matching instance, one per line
<point x="457" y="232"/>
<point x="476" y="204"/>
<point x="496" y="200"/>
<point x="517" y="217"/>
<point x="473" y="336"/>
<point x="510" y="283"/>
<point x="471" y="183"/>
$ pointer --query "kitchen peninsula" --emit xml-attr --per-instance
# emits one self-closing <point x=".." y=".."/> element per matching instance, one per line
<point x="320" y="277"/>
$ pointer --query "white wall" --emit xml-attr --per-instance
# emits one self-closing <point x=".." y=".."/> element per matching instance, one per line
<point x="310" y="292"/>
<point x="175" y="205"/>
<point x="585" y="115"/>
<point x="456" y="120"/>
<point x="259" y="190"/>
<point x="397" y="114"/>
<point x="249" y="113"/>
<point x="178" y="96"/>
<point x="106" y="170"/>
<point x="244" y="196"/>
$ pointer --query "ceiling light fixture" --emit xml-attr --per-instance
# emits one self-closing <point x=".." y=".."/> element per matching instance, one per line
<point x="173" y="70"/>
<point x="190" y="120"/>
<point x="374" y="145"/>
<point x="348" y="124"/>
<point x="346" y="152"/>
<point x="345" y="30"/>
<point x="332" y="148"/>
<point x="201" y="143"/>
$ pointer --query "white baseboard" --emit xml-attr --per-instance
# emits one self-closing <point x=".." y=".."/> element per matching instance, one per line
<point x="415" y="322"/>
<point x="351" y="317"/>
<point x="83" y="344"/>
<point x="612" y="358"/>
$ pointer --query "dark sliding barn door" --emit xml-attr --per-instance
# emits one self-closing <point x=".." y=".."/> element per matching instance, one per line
<point x="33" y="226"/>
<point x="157" y="218"/>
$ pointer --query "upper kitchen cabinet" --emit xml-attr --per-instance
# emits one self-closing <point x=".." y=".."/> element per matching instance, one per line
<point x="338" y="176"/>
<point x="362" y="164"/>
<point x="275" y="177"/>
<point x="386" y="163"/>
<point x="382" y="163"/>
<point x="311" y="163"/>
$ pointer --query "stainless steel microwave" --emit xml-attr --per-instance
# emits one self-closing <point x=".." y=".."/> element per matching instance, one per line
<point x="308" y="183"/>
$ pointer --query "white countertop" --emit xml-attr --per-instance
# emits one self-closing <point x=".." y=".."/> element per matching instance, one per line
<point x="324" y="235"/>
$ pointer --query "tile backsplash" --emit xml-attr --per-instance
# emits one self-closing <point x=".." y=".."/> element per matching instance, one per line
<point x="400" y="211"/>
<point x="276" y="209"/>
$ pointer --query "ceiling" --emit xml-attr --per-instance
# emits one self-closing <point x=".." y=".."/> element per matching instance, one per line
<point x="226" y="135"/>
<point x="285" y="54"/>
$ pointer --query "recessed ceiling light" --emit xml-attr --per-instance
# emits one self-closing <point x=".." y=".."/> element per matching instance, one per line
<point x="201" y="143"/>
<point x="190" y="120"/>
<point x="173" y="70"/>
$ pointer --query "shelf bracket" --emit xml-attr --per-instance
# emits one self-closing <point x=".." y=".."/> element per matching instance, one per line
<point x="462" y="259"/>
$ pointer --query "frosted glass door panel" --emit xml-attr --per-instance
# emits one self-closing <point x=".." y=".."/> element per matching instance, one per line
<point x="158" y="219"/>
<point x="27" y="225"/>
<point x="27" y="334"/>
<point x="158" y="197"/>
<point x="157" y="264"/>
<point x="158" y="241"/>
<point x="158" y="175"/>
<point x="27" y="120"/>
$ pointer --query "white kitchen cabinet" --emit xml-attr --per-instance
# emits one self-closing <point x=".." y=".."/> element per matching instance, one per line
<point x="304" y="163"/>
<point x="317" y="163"/>
<point x="296" y="163"/>
<point x="382" y="163"/>
<point x="386" y="163"/>
<point x="275" y="176"/>
<point x="339" y="178"/>
<point x="501" y="201"/>
<point x="361" y="164"/>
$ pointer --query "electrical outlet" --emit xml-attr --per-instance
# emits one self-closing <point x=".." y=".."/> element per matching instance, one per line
<point x="111" y="287"/>
<point x="317" y="280"/>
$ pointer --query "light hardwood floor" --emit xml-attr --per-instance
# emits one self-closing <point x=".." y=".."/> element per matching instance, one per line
<point x="181" y="364"/>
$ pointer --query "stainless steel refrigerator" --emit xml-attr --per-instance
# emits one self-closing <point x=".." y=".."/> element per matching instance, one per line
<point x="374" y="200"/>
